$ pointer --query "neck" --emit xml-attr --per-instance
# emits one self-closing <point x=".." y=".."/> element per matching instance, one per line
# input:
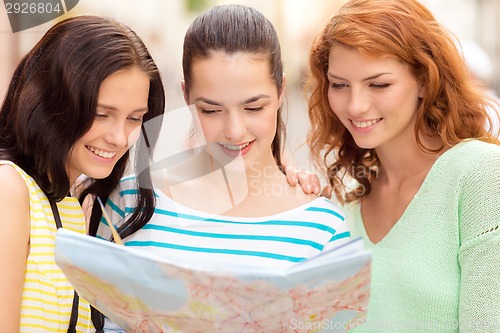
<point x="405" y="159"/>
<point x="203" y="171"/>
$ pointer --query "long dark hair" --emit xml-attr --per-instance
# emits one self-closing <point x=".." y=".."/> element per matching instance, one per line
<point x="51" y="103"/>
<point x="232" y="29"/>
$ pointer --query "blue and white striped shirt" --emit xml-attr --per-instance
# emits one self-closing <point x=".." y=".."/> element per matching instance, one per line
<point x="277" y="241"/>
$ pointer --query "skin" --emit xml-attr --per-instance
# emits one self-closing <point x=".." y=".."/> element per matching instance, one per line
<point x="116" y="126"/>
<point x="236" y="103"/>
<point x="14" y="249"/>
<point x="376" y="98"/>
<point x="237" y="114"/>
<point x="122" y="103"/>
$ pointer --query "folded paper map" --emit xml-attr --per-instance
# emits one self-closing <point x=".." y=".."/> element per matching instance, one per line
<point x="144" y="293"/>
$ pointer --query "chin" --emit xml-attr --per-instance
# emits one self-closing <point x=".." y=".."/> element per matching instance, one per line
<point x="364" y="145"/>
<point x="237" y="165"/>
<point x="99" y="175"/>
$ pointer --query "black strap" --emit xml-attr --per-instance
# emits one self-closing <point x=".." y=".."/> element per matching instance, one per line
<point x="74" y="314"/>
<point x="55" y="212"/>
<point x="96" y="316"/>
<point x="74" y="308"/>
<point x="97" y="319"/>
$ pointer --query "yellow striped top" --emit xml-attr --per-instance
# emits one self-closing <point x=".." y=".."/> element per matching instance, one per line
<point x="47" y="294"/>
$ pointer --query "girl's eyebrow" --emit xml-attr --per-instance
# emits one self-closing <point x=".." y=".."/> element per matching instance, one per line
<point x="255" y="98"/>
<point x="248" y="100"/>
<point x="112" y="108"/>
<point x="208" y="101"/>
<point x="365" y="79"/>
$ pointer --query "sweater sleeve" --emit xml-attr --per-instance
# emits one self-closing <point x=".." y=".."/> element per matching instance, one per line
<point x="479" y="254"/>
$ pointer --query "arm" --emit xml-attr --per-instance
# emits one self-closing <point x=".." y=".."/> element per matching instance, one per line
<point x="14" y="247"/>
<point x="479" y="254"/>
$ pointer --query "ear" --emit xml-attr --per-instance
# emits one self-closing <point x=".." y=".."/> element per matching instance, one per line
<point x="183" y="87"/>
<point x="421" y="90"/>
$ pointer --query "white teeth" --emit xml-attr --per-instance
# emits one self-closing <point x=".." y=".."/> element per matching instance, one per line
<point x="232" y="147"/>
<point x="364" y="124"/>
<point x="101" y="153"/>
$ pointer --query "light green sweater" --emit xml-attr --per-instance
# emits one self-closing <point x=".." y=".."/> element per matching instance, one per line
<point x="438" y="269"/>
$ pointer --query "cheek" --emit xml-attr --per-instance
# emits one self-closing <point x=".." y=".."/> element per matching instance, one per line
<point x="337" y="109"/>
<point x="332" y="100"/>
<point x="208" y="130"/>
<point x="339" y="105"/>
<point x="95" y="132"/>
<point x="266" y="125"/>
<point x="77" y="149"/>
<point x="133" y="136"/>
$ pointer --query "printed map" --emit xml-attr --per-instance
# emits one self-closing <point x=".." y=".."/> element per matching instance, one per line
<point x="143" y="293"/>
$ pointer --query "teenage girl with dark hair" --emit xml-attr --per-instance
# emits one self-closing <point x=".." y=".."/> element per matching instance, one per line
<point x="75" y="103"/>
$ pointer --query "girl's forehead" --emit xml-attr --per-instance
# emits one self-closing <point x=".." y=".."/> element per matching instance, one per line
<point x="240" y="55"/>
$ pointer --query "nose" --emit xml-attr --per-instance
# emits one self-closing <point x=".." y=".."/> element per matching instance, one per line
<point x="234" y="126"/>
<point x="359" y="102"/>
<point x="117" y="134"/>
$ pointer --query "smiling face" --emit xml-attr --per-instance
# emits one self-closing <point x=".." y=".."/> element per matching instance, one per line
<point x="122" y="103"/>
<point x="237" y="104"/>
<point x="376" y="98"/>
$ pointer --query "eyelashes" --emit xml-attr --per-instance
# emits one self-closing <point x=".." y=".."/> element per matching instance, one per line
<point x="213" y="111"/>
<point x="372" y="85"/>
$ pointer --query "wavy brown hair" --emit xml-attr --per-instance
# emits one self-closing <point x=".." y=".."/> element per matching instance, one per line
<point x="452" y="107"/>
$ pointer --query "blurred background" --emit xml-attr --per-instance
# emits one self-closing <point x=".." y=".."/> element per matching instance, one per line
<point x="162" y="24"/>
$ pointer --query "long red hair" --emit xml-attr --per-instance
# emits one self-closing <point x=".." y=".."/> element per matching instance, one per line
<point x="452" y="106"/>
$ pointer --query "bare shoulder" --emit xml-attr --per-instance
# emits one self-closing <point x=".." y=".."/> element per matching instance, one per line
<point x="14" y="212"/>
<point x="14" y="195"/>
<point x="15" y="245"/>
<point x="12" y="182"/>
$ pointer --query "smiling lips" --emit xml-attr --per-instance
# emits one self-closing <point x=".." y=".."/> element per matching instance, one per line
<point x="101" y="153"/>
<point x="366" y="123"/>
<point x="234" y="150"/>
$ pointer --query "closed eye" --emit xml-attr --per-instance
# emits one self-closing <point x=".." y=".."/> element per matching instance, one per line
<point x="137" y="119"/>
<point x="256" y="109"/>
<point x="209" y="111"/>
<point x="137" y="116"/>
<point x="380" y="85"/>
<point x="338" y="85"/>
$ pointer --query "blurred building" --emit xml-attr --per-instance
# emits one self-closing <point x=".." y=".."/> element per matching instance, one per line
<point x="473" y="20"/>
<point x="162" y="25"/>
